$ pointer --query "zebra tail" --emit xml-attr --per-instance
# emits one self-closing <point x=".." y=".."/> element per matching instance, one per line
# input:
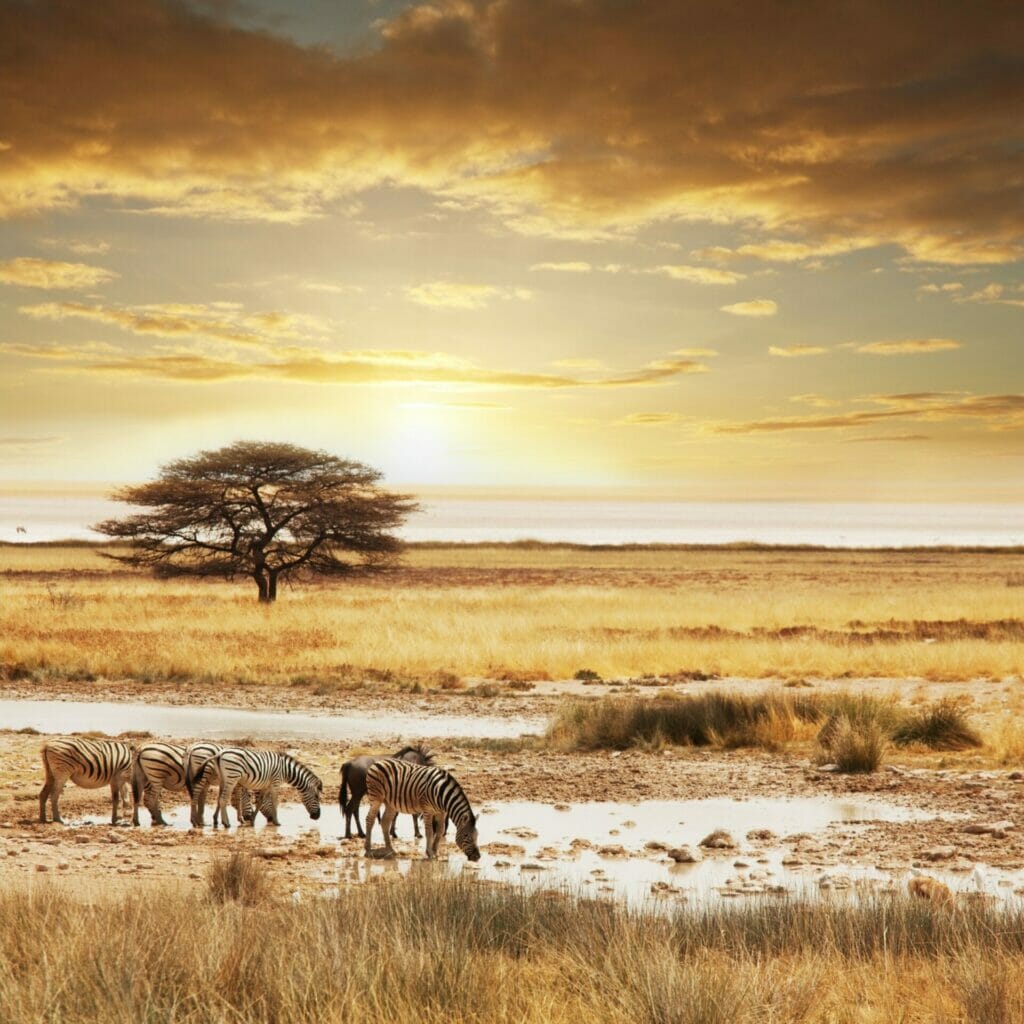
<point x="191" y="777"/>
<point x="343" y="792"/>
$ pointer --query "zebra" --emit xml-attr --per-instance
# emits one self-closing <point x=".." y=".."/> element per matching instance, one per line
<point x="262" y="771"/>
<point x="89" y="764"/>
<point x="420" y="789"/>
<point x="353" y="785"/>
<point x="160" y="766"/>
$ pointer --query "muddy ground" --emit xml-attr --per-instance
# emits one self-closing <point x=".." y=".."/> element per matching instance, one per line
<point x="92" y="856"/>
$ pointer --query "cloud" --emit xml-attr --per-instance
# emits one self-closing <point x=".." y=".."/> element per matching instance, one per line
<point x="884" y="438"/>
<point x="573" y="267"/>
<point x="219" y="321"/>
<point x="31" y="272"/>
<point x="908" y="133"/>
<point x="351" y="366"/>
<point x="818" y="401"/>
<point x="795" y="351"/>
<point x="696" y="353"/>
<point x="648" y="419"/>
<point x="940" y="289"/>
<point x="28" y="442"/>
<point x="754" y="307"/>
<point x="698" y="275"/>
<point x="456" y="295"/>
<point x="992" y="293"/>
<point x="780" y="250"/>
<point x="79" y="246"/>
<point x="1003" y="412"/>
<point x="909" y="347"/>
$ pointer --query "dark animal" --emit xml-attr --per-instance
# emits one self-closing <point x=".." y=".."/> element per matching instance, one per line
<point x="353" y="784"/>
<point x="414" y="788"/>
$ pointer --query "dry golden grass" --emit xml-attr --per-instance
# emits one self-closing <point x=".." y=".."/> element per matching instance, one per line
<point x="527" y="613"/>
<point x="430" y="950"/>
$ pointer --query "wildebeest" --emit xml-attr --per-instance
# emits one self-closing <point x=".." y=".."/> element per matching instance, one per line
<point x="353" y="784"/>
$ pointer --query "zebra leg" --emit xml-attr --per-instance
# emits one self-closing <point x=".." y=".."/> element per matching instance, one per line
<point x="428" y="828"/>
<point x="45" y="791"/>
<point x="223" y="800"/>
<point x="371" y="818"/>
<point x="199" y="807"/>
<point x="272" y="820"/>
<point x="152" y="799"/>
<point x="115" y="793"/>
<point x="59" y="782"/>
<point x="416" y="825"/>
<point x="440" y="823"/>
<point x="389" y="823"/>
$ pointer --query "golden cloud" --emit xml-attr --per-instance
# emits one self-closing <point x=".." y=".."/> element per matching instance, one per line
<point x="908" y="133"/>
<point x="352" y="366"/>
<point x="30" y="272"/>
<point x="219" y="321"/>
<point x="1003" y="412"/>
<point x="572" y="267"/>
<point x="698" y="275"/>
<point x="754" y="307"/>
<point x="456" y="295"/>
<point x="796" y="351"/>
<point x="648" y="419"/>
<point x="908" y="347"/>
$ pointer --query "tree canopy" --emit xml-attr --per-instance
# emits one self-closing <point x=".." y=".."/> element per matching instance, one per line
<point x="262" y="510"/>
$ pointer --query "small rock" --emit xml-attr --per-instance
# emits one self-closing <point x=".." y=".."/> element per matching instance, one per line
<point x="763" y="834"/>
<point x="830" y="768"/>
<point x="530" y="866"/>
<point x="740" y="864"/>
<point x="685" y="855"/>
<point x="611" y="850"/>
<point x="42" y="867"/>
<point x="718" y="840"/>
<point x="940" y="853"/>
<point x="654" y="844"/>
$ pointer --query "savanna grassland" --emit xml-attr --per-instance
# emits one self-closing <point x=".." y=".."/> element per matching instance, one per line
<point x="667" y="674"/>
<point x="527" y="613"/>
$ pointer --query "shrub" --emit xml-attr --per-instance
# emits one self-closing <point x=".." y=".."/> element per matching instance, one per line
<point x="855" y="746"/>
<point x="942" y="726"/>
<point x="239" y="878"/>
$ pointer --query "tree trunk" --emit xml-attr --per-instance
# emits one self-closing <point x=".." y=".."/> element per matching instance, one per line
<point x="264" y="587"/>
<point x="271" y="586"/>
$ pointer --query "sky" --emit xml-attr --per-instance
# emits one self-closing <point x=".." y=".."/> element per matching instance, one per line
<point x="743" y="250"/>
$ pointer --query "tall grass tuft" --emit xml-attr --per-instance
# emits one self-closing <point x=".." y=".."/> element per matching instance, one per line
<point x="855" y="746"/>
<point x="439" y="949"/>
<point x="238" y="878"/>
<point x="942" y="726"/>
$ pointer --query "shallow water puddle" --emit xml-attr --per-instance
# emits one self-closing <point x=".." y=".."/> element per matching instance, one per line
<point x="113" y="718"/>
<point x="600" y="849"/>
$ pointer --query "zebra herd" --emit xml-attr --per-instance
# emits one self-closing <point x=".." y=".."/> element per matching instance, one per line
<point x="249" y="780"/>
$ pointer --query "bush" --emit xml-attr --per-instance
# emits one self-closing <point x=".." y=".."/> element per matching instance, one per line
<point x="239" y="878"/>
<point x="855" y="746"/>
<point x="942" y="726"/>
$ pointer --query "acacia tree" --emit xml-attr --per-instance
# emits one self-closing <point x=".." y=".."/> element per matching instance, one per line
<point x="261" y="510"/>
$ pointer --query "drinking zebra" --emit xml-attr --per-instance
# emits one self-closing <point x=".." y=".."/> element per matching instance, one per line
<point x="353" y="784"/>
<point x="262" y="771"/>
<point x="87" y="763"/>
<point x="420" y="789"/>
<point x="160" y="766"/>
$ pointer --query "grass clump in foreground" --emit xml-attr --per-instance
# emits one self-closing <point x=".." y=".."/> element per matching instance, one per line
<point x="852" y="729"/>
<point x="450" y="950"/>
<point x="240" y="878"/>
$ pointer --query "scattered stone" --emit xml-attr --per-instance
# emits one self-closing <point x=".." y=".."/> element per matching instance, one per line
<point x="1015" y="776"/>
<point x="654" y="844"/>
<point x="828" y="768"/>
<point x="520" y="832"/>
<point x="530" y="866"/>
<point x="939" y="853"/>
<point x="685" y="855"/>
<point x="562" y="807"/>
<point x="996" y="829"/>
<point x="504" y="849"/>
<point x="762" y="834"/>
<point x="718" y="840"/>
<point x="611" y="850"/>
<point x="42" y="867"/>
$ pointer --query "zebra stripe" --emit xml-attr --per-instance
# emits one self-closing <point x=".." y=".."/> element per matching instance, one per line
<point x="263" y="771"/>
<point x="87" y="763"/>
<point x="420" y="789"/>
<point x="160" y="766"/>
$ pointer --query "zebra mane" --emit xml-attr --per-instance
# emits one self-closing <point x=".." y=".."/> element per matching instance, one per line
<point x="416" y="748"/>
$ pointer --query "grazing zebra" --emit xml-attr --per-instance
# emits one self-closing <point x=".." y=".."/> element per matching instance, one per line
<point x="420" y="789"/>
<point x="87" y="763"/>
<point x="353" y="785"/>
<point x="262" y="771"/>
<point x="160" y="766"/>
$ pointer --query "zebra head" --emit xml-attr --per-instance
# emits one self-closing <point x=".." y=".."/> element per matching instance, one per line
<point x="465" y="837"/>
<point x="310" y="791"/>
